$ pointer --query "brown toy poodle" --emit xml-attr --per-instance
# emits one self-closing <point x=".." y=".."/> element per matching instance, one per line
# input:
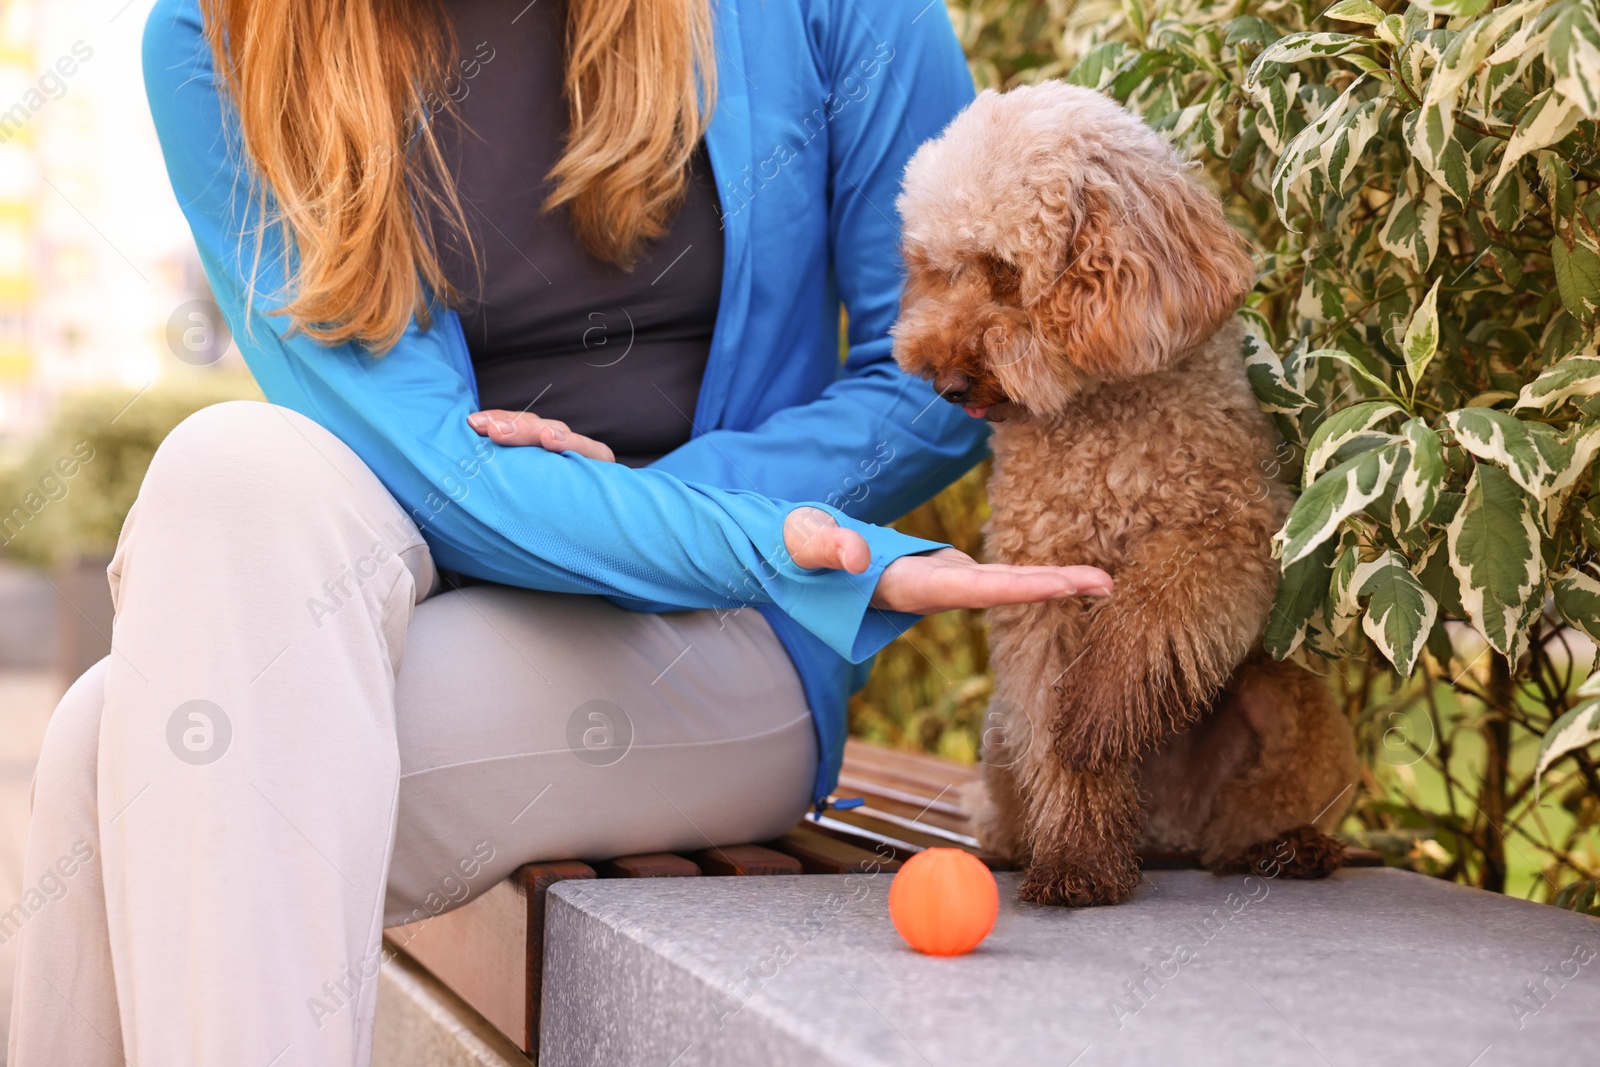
<point x="1069" y="279"/>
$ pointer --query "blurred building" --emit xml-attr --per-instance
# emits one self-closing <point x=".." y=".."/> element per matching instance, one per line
<point x="94" y="254"/>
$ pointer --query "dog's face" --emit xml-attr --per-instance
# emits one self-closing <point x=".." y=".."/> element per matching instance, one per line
<point x="1053" y="240"/>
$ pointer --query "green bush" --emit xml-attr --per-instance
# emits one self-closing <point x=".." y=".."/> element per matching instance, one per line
<point x="69" y="492"/>
<point x="1420" y="183"/>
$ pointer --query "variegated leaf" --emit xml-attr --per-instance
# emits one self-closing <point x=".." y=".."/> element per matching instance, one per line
<point x="1573" y="54"/>
<point x="1418" y="490"/>
<point x="1276" y="98"/>
<point x="1399" y="611"/>
<point x="1431" y="135"/>
<point x="1577" y="597"/>
<point x="1578" y="728"/>
<point x="1411" y="232"/>
<point x="1342" y="150"/>
<point x="1364" y="12"/>
<point x="1343" y="427"/>
<point x="1468" y="50"/>
<point x="1546" y="120"/>
<point x="1421" y="339"/>
<point x="1303" y="148"/>
<point x="1520" y="447"/>
<point x="1494" y="551"/>
<point x="1343" y="608"/>
<point x="1581" y="444"/>
<point x="1300" y="598"/>
<point x="1300" y="46"/>
<point x="1334" y="497"/>
<point x="1574" y="376"/>
<point x="1267" y="378"/>
<point x="1452" y="7"/>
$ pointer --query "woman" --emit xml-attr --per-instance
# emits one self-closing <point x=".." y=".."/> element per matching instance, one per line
<point x="256" y="781"/>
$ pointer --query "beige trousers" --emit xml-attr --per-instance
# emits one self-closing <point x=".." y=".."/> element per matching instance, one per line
<point x="289" y="748"/>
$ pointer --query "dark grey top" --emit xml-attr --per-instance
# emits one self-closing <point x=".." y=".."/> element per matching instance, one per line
<point x="616" y="354"/>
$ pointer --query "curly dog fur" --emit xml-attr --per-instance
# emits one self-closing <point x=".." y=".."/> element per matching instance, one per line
<point x="1069" y="279"/>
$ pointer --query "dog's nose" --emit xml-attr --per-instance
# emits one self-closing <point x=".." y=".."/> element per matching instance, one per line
<point x="953" y="386"/>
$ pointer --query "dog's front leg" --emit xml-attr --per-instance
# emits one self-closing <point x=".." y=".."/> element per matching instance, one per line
<point x="1081" y="831"/>
<point x="1152" y="657"/>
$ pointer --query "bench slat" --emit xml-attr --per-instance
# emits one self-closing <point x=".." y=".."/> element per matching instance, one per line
<point x="821" y="854"/>
<point x="649" y="865"/>
<point x="745" y="860"/>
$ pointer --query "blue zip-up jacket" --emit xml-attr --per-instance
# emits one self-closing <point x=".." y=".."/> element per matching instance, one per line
<point x="820" y="103"/>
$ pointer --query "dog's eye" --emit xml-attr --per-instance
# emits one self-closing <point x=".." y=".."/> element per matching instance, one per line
<point x="1004" y="277"/>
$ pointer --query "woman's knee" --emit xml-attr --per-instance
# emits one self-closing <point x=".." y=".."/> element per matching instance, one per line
<point x="248" y="453"/>
<point x="70" y="751"/>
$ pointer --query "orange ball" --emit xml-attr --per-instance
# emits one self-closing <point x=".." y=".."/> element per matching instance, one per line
<point x="944" y="901"/>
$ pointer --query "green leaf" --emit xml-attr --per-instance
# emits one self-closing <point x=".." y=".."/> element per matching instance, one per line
<point x="1342" y="427"/>
<point x="1577" y="596"/>
<point x="1332" y="498"/>
<point x="1578" y="728"/>
<point x="1418" y="490"/>
<point x="1501" y="438"/>
<point x="1440" y="580"/>
<point x="1494" y="551"/>
<point x="1421" y="340"/>
<point x="1577" y="278"/>
<point x="1399" y="611"/>
<point x="1098" y="65"/>
<point x="1300" y="596"/>
<point x="1573" y="376"/>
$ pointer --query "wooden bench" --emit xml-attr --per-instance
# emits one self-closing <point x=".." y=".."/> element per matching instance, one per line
<point x="491" y="951"/>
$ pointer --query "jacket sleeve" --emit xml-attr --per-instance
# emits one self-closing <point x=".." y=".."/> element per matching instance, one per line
<point x="895" y="441"/>
<point x="521" y="516"/>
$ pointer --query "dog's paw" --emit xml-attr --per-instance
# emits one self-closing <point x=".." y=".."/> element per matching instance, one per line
<point x="1073" y="886"/>
<point x="1301" y="853"/>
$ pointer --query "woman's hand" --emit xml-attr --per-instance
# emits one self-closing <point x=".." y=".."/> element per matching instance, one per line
<point x="937" y="581"/>
<point x="526" y="428"/>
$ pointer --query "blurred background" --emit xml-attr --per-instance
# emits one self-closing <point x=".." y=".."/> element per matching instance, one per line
<point x="108" y="339"/>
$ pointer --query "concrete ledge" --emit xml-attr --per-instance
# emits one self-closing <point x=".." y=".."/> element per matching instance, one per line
<point x="423" y="1024"/>
<point x="1372" y="967"/>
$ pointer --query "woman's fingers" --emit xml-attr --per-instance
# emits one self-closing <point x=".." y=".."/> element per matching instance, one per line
<point x="939" y="582"/>
<point x="815" y="541"/>
<point x="526" y="428"/>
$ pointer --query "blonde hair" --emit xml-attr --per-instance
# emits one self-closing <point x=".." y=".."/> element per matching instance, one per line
<point x="330" y="96"/>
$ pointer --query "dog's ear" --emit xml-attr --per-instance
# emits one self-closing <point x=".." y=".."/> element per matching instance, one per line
<point x="1148" y="267"/>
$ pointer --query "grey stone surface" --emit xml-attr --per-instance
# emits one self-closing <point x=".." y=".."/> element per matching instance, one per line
<point x="1369" y="968"/>
<point x="423" y="1024"/>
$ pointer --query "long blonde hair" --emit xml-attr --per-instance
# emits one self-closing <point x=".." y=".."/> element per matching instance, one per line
<point x="337" y="101"/>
